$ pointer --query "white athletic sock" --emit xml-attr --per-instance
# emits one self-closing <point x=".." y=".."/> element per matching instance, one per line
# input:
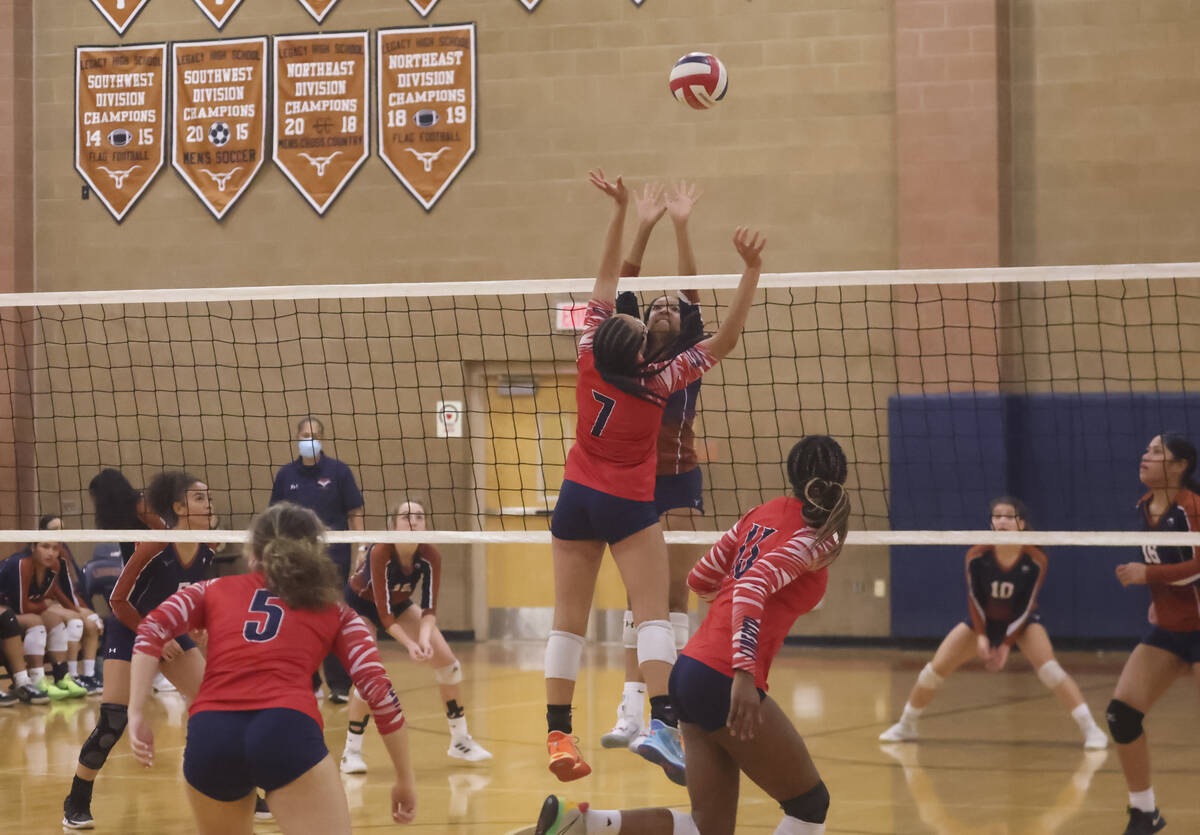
<point x="73" y="668"/>
<point x="911" y="714"/>
<point x="602" y="821"/>
<point x="458" y="727"/>
<point x="21" y="677"/>
<point x="1083" y="717"/>
<point x="633" y="701"/>
<point x="1143" y="800"/>
<point x="795" y="826"/>
<point x="36" y="674"/>
<point x="89" y="667"/>
<point x="353" y="743"/>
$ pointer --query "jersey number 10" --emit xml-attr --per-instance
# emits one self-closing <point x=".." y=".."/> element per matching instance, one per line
<point x="1002" y="589"/>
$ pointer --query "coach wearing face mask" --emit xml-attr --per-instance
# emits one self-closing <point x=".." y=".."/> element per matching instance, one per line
<point x="326" y="486"/>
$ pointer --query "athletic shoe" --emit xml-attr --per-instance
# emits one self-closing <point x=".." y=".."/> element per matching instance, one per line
<point x="30" y="695"/>
<point x="353" y="763"/>
<point x="162" y="684"/>
<point x="91" y="684"/>
<point x="566" y="763"/>
<point x="261" y="811"/>
<point x="338" y="697"/>
<point x="76" y="818"/>
<point x="560" y="816"/>
<point x="72" y="686"/>
<point x="624" y="732"/>
<point x="52" y="690"/>
<point x="465" y="748"/>
<point x="900" y="732"/>
<point x="8" y="699"/>
<point x="664" y="747"/>
<point x="1096" y="739"/>
<point x="1144" y="823"/>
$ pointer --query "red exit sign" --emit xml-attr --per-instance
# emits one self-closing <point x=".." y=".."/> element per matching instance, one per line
<point x="569" y="316"/>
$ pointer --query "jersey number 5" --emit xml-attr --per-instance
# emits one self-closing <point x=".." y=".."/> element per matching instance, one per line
<point x="264" y="603"/>
<point x="753" y="541"/>
<point x="606" y="407"/>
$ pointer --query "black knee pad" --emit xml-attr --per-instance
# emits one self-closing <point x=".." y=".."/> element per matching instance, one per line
<point x="108" y="730"/>
<point x="1124" y="722"/>
<point x="810" y="807"/>
<point x="9" y="627"/>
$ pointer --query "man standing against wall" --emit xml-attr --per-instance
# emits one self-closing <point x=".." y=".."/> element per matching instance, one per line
<point x="326" y="486"/>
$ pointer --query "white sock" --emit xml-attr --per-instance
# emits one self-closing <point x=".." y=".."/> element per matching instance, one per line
<point x="1143" y="800"/>
<point x="458" y="727"/>
<point x="21" y="677"/>
<point x="682" y="823"/>
<point x="633" y="701"/>
<point x="795" y="826"/>
<point x="1083" y="717"/>
<point x="36" y="674"/>
<point x="353" y="743"/>
<point x="911" y="714"/>
<point x="89" y="667"/>
<point x="72" y="668"/>
<point x="601" y="821"/>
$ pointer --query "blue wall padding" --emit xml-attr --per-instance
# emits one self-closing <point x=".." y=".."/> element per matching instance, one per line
<point x="1072" y="458"/>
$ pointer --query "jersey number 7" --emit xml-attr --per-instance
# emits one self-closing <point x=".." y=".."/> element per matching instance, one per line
<point x="606" y="407"/>
<point x="257" y="631"/>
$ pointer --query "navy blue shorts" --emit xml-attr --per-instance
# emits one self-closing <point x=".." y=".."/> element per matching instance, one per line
<point x="367" y="609"/>
<point x="229" y="752"/>
<point x="584" y="513"/>
<point x="700" y="694"/>
<point x="997" y="631"/>
<point x="119" y="638"/>
<point x="1184" y="644"/>
<point x="679" y="490"/>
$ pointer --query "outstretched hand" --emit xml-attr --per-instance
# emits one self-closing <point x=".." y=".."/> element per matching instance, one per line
<point x="682" y="198"/>
<point x="616" y="191"/>
<point x="141" y="739"/>
<point x="650" y="205"/>
<point x="749" y="245"/>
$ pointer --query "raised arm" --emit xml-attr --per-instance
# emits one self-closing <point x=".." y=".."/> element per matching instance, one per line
<point x="605" y="288"/>
<point x="650" y="208"/>
<point x="679" y="203"/>
<point x="750" y="246"/>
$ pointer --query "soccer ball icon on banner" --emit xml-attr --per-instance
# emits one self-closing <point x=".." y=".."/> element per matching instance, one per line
<point x="699" y="80"/>
<point x="218" y="134"/>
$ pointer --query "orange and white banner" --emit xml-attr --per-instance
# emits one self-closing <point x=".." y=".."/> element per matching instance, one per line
<point x="120" y="13"/>
<point x="423" y="7"/>
<point x="120" y="120"/>
<point x="219" y="116"/>
<point x="318" y="8"/>
<point x="426" y="87"/>
<point x="218" y="11"/>
<point x="321" y="111"/>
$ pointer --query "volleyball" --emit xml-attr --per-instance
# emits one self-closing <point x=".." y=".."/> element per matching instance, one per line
<point x="699" y="80"/>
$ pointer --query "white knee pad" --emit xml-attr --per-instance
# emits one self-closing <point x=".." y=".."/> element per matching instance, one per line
<point x="655" y="642"/>
<point x="929" y="679"/>
<point x="450" y="674"/>
<point x="682" y="823"/>
<point x="1051" y="674"/>
<point x="74" y="630"/>
<point x="57" y="642"/>
<point x="563" y="653"/>
<point x="96" y="621"/>
<point x="35" y="640"/>
<point x="628" y="631"/>
<point x="682" y="628"/>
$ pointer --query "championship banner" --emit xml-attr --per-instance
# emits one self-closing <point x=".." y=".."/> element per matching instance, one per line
<point x="120" y="118"/>
<point x="120" y="13"/>
<point x="318" y="8"/>
<point x="218" y="11"/>
<point x="321" y="111"/>
<point x="219" y="115"/>
<point x="423" y="7"/>
<point x="425" y="82"/>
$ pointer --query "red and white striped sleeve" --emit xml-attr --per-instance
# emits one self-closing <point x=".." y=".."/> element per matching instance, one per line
<point x="767" y="575"/>
<point x="706" y="575"/>
<point x="181" y="612"/>
<point x="355" y="648"/>
<point x="679" y="372"/>
<point x="597" y="311"/>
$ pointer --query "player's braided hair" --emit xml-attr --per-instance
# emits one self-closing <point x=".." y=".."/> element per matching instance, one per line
<point x="615" y="347"/>
<point x="816" y="467"/>
<point x="1183" y="450"/>
<point x="115" y="500"/>
<point x="286" y="541"/>
<point x="165" y="489"/>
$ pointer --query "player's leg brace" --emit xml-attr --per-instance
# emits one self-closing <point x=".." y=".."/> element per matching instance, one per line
<point x="1051" y="674"/>
<point x="35" y="641"/>
<point x="74" y="630"/>
<point x="564" y="652"/>
<point x="105" y="735"/>
<point x="57" y="640"/>
<point x="1124" y="722"/>
<point x="805" y="813"/>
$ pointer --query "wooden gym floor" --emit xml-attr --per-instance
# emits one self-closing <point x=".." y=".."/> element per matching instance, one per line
<point x="999" y="755"/>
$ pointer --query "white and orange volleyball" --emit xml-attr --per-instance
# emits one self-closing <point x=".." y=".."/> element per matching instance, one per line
<point x="699" y="80"/>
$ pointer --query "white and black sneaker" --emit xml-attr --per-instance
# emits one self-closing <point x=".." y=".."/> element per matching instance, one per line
<point x="465" y="748"/>
<point x="30" y="695"/>
<point x="1144" y="823"/>
<point x="76" y="818"/>
<point x="8" y="699"/>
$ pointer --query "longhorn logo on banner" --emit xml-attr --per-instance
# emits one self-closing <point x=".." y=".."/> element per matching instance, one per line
<point x="423" y="7"/>
<point x="425" y="81"/>
<point x="120" y="13"/>
<point x="120" y="115"/>
<point x="321" y="111"/>
<point x="318" y="8"/>
<point x="219" y="116"/>
<point x="218" y="11"/>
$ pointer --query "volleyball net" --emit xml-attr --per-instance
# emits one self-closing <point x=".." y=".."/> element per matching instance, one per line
<point x="945" y="388"/>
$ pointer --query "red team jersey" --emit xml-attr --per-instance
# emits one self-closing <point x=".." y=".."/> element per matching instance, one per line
<point x="1173" y="572"/>
<point x="766" y="571"/>
<point x="262" y="654"/>
<point x="616" y="436"/>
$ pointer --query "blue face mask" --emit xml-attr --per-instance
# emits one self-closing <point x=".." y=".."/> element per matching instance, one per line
<point x="309" y="448"/>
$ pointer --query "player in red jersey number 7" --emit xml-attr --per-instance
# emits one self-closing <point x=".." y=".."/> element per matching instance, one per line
<point x="607" y="496"/>
<point x="766" y="571"/>
<point x="255" y="719"/>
